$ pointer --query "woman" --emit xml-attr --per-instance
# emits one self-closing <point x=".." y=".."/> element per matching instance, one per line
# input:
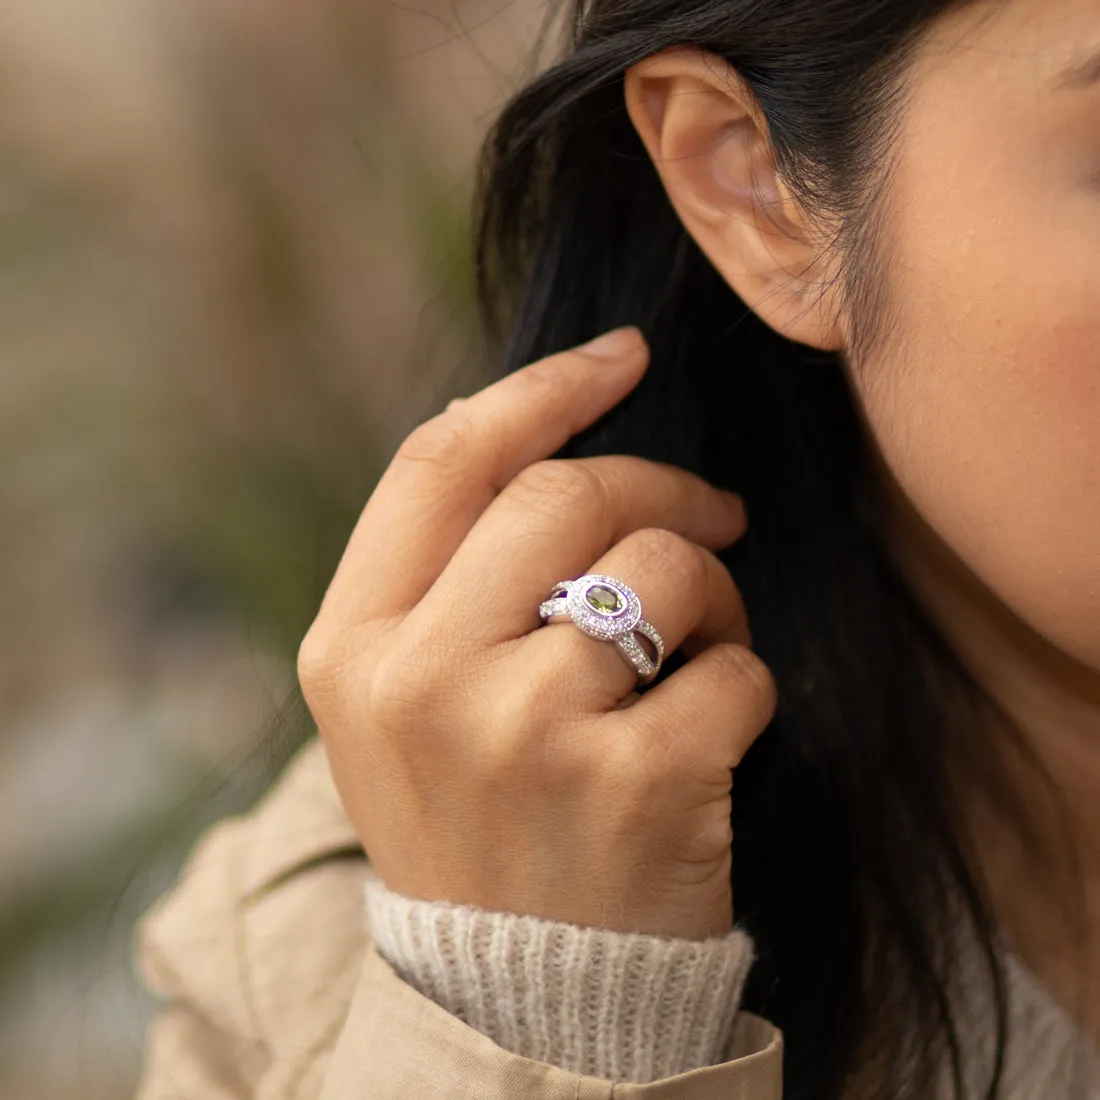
<point x="853" y="853"/>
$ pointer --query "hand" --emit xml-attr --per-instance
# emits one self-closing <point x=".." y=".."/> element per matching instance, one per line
<point x="487" y="760"/>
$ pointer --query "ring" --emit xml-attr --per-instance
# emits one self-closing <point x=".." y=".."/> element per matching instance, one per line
<point x="605" y="608"/>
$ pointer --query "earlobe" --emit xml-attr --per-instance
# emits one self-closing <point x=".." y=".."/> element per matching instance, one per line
<point x="708" y="141"/>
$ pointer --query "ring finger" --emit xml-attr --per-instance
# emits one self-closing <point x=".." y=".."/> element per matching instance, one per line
<point x="686" y="593"/>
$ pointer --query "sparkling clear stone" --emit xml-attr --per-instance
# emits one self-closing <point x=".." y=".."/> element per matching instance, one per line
<point x="603" y="599"/>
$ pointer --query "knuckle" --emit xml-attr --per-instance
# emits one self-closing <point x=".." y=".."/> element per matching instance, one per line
<point x="411" y="682"/>
<point x="544" y="379"/>
<point x="315" y="659"/>
<point x="502" y="757"/>
<point x="749" y="667"/>
<point x="324" y="671"/>
<point x="636" y="760"/>
<point x="671" y="553"/>
<point x="555" y="484"/>
<point x="445" y="442"/>
<point x="395" y="689"/>
<point x="714" y="835"/>
<point x="512" y="720"/>
<point x="522" y="736"/>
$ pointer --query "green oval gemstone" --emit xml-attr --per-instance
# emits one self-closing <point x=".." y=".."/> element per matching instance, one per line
<point x="603" y="599"/>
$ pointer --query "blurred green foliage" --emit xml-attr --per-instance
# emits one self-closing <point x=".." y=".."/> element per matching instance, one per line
<point x="215" y="338"/>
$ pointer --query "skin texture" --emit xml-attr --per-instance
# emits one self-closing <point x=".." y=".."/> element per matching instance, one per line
<point x="983" y="398"/>
<point x="487" y="762"/>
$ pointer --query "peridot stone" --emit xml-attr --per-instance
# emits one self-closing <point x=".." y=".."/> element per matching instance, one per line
<point x="604" y="599"/>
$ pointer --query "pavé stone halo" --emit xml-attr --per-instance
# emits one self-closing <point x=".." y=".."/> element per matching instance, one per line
<point x="605" y="608"/>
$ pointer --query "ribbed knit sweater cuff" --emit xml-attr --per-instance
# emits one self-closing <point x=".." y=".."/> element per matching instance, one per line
<point x="623" y="1006"/>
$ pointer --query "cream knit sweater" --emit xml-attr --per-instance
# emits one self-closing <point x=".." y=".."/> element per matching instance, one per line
<point x="636" y="1007"/>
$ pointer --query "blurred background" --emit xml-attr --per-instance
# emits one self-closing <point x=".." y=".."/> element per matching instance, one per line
<point x="234" y="273"/>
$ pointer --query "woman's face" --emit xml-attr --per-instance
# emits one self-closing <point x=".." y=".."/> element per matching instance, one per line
<point x="986" y="403"/>
<point x="985" y="408"/>
<point x="982" y="391"/>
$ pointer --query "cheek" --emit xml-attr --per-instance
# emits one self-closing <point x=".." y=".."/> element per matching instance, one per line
<point x="989" y="414"/>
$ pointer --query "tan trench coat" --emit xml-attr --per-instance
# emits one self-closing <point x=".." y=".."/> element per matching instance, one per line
<point x="274" y="990"/>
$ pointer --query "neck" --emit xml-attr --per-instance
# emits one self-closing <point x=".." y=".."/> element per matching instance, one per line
<point x="1034" y="831"/>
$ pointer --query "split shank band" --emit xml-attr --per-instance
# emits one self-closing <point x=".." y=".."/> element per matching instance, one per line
<point x="605" y="608"/>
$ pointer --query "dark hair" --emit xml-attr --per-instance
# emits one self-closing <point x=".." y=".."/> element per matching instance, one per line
<point x="849" y="857"/>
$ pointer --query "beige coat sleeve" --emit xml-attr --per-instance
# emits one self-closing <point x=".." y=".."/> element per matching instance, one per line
<point x="273" y="990"/>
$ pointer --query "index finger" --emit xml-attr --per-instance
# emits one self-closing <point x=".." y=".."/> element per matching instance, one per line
<point x="448" y="470"/>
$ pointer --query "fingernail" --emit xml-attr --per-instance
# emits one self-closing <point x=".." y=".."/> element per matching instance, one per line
<point x="614" y="344"/>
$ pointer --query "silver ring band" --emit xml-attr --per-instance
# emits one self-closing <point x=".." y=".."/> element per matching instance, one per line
<point x="605" y="608"/>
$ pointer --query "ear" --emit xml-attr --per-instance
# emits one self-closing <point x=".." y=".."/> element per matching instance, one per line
<point x="708" y="139"/>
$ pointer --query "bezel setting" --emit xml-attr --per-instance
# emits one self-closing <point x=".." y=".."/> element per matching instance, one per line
<point x="608" y="625"/>
<point x="569" y="598"/>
